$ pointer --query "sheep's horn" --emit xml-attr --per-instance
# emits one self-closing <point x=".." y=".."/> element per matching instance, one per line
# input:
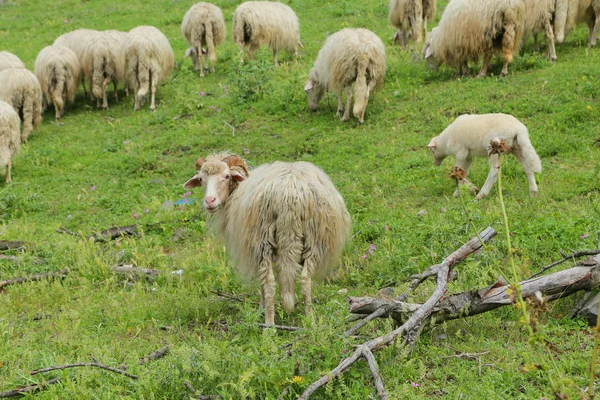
<point x="234" y="160"/>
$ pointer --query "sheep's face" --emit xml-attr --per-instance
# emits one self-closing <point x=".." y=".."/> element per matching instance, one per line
<point x="219" y="178"/>
<point x="438" y="154"/>
<point x="315" y="92"/>
<point x="428" y="50"/>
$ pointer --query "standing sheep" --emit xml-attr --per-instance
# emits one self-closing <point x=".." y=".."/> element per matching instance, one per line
<point x="203" y="24"/>
<point x="117" y="38"/>
<point x="569" y="13"/>
<point x="59" y="72"/>
<point x="539" y="15"/>
<point x="348" y="56"/>
<point x="20" y="88"/>
<point x="470" y="136"/>
<point x="102" y="64"/>
<point x="469" y="29"/>
<point x="264" y="22"/>
<point x="9" y="60"/>
<point x="10" y="136"/>
<point x="148" y="59"/>
<point x="410" y="18"/>
<point x="283" y="218"/>
<point x="78" y="40"/>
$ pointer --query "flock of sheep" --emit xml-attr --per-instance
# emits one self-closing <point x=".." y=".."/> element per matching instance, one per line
<point x="288" y="218"/>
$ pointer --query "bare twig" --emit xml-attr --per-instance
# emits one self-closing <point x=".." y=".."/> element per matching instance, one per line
<point x="417" y="280"/>
<point x="8" y="245"/>
<point x="28" y="389"/>
<point x="130" y="270"/>
<point x="375" y="314"/>
<point x="580" y="304"/>
<point x="467" y="355"/>
<point x="232" y="128"/>
<point x="91" y="364"/>
<point x="566" y="257"/>
<point x="194" y="392"/>
<point x="368" y="355"/>
<point x="155" y="355"/>
<point x="227" y="296"/>
<point x="36" y="277"/>
<point x="11" y="258"/>
<point x="280" y="327"/>
<point x="105" y="235"/>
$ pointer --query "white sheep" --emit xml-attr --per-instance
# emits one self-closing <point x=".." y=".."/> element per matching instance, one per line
<point x="283" y="218"/>
<point x="78" y="40"/>
<point x="148" y="59"/>
<point x="470" y="136"/>
<point x="58" y="70"/>
<point x="570" y="13"/>
<point x="539" y="15"/>
<point x="470" y="29"/>
<point x="10" y="136"/>
<point x="410" y="18"/>
<point x="102" y="65"/>
<point x="264" y="22"/>
<point x="9" y="60"/>
<point x="348" y="56"/>
<point x="20" y="88"/>
<point x="117" y="38"/>
<point x="203" y="24"/>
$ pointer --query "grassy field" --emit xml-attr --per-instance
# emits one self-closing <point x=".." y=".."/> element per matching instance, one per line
<point x="97" y="169"/>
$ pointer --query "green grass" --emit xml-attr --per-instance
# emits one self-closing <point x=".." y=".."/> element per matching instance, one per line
<point x="136" y="161"/>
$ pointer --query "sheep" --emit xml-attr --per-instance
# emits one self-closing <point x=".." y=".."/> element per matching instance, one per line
<point x="539" y="15"/>
<point x="102" y="64"/>
<point x="470" y="136"/>
<point x="10" y="136"/>
<point x="148" y="60"/>
<point x="348" y="56"/>
<point x="117" y="38"/>
<point x="282" y="217"/>
<point x="569" y="13"/>
<point x="9" y="60"/>
<point x="20" y="88"/>
<point x="78" y="40"/>
<point x="410" y="18"/>
<point x="58" y="70"/>
<point x="471" y="28"/>
<point x="203" y="24"/>
<point x="259" y="22"/>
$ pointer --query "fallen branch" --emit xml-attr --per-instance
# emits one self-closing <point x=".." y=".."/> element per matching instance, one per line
<point x="37" y="277"/>
<point x="132" y="271"/>
<point x="412" y="326"/>
<point x="11" y="258"/>
<point x="197" y="396"/>
<point x="8" y="245"/>
<point x="227" y="296"/>
<point x="280" y="327"/>
<point x="105" y="235"/>
<point x="573" y="255"/>
<point x="155" y="355"/>
<point x="28" y="389"/>
<point x="89" y="364"/>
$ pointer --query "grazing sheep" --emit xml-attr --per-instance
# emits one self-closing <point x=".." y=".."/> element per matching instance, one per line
<point x="10" y="136"/>
<point x="203" y="24"/>
<point x="117" y="37"/>
<point x="539" y="15"/>
<point x="58" y="70"/>
<point x="9" y="60"/>
<point x="20" y="88"/>
<point x="410" y="18"/>
<point x="78" y="40"/>
<point x="569" y="13"/>
<point x="148" y="59"/>
<point x="264" y="22"/>
<point x="348" y="56"/>
<point x="470" y="136"/>
<point x="286" y="218"/>
<point x="472" y="28"/>
<point x="102" y="64"/>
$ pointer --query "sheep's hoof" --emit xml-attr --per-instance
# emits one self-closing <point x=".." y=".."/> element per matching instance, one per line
<point x="474" y="189"/>
<point x="481" y="75"/>
<point x="8" y="180"/>
<point x="455" y="193"/>
<point x="345" y="118"/>
<point x="533" y="193"/>
<point x="480" y="196"/>
<point x="339" y="113"/>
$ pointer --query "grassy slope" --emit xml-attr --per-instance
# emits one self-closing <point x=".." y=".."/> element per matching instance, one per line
<point x="137" y="161"/>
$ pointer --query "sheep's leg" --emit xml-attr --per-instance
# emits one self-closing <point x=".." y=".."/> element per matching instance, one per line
<point x="340" y="107"/>
<point x="199" y="59"/>
<point x="487" y="56"/>
<point x="267" y="282"/>
<point x="105" y="95"/>
<point x="251" y="49"/>
<point x="533" y="189"/>
<point x="8" y="168"/>
<point x="305" y="279"/>
<point x="492" y="177"/>
<point x="115" y="94"/>
<point x="346" y="115"/>
<point x="508" y="46"/>
<point x="594" y="30"/>
<point x="536" y="45"/>
<point x="550" y="38"/>
<point x="84" y="89"/>
<point x="275" y="53"/>
<point x="153" y="83"/>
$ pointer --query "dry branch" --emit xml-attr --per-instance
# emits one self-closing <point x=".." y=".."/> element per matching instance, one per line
<point x="155" y="355"/>
<point x="572" y="256"/>
<point x="28" y="389"/>
<point x="132" y="271"/>
<point x="197" y="396"/>
<point x="280" y="327"/>
<point x="8" y="245"/>
<point x="90" y="364"/>
<point x="105" y="235"/>
<point x="412" y="326"/>
<point x="36" y="277"/>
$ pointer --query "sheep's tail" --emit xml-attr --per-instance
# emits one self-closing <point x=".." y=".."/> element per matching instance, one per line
<point x="58" y="89"/>
<point x="98" y="66"/>
<point x="239" y="26"/>
<point x="210" y="42"/>
<point x="31" y="112"/>
<point x="530" y="157"/>
<point x="560" y="19"/>
<point x="361" y="90"/>
<point x="287" y="286"/>
<point x="143" y="77"/>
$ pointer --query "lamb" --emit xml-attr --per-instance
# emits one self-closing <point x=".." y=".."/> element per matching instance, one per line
<point x="348" y="56"/>
<point x="203" y="24"/>
<point x="569" y="13"/>
<point x="148" y="59"/>
<point x="470" y="136"/>
<point x="539" y="15"/>
<point x="410" y="18"/>
<point x="469" y="29"/>
<point x="58" y="70"/>
<point x="20" y="88"/>
<point x="10" y="136"/>
<point x="9" y="60"/>
<point x="102" y="64"/>
<point x="286" y="218"/>
<point x="263" y="22"/>
<point x="78" y="40"/>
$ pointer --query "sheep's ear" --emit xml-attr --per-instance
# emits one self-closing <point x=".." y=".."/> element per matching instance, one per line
<point x="199" y="163"/>
<point x="237" y="175"/>
<point x="188" y="52"/>
<point x="233" y="161"/>
<point x="308" y="86"/>
<point x="428" y="52"/>
<point x="192" y="183"/>
<point x="432" y="144"/>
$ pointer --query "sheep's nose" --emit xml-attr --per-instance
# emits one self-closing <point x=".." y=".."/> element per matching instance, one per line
<point x="210" y="200"/>
<point x="313" y="108"/>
